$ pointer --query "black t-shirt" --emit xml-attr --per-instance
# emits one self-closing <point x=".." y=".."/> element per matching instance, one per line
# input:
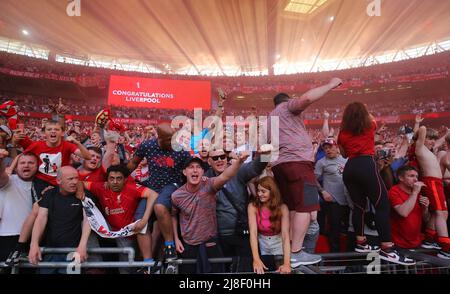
<point x="65" y="216"/>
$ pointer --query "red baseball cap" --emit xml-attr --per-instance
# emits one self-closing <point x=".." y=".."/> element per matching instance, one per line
<point x="329" y="141"/>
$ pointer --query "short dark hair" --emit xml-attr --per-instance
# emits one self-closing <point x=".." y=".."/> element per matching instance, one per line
<point x="280" y="98"/>
<point x="95" y="149"/>
<point x="121" y="168"/>
<point x="404" y="169"/>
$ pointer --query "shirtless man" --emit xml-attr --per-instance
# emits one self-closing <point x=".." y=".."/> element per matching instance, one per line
<point x="432" y="177"/>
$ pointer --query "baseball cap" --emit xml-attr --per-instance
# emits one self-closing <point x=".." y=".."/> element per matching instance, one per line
<point x="192" y="159"/>
<point x="329" y="141"/>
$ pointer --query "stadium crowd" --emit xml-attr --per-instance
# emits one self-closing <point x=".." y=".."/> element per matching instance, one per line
<point x="178" y="193"/>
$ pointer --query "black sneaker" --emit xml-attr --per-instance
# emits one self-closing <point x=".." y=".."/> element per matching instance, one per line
<point x="170" y="253"/>
<point x="444" y="254"/>
<point x="430" y="245"/>
<point x="366" y="248"/>
<point x="15" y="257"/>
<point x="392" y="255"/>
<point x="156" y="269"/>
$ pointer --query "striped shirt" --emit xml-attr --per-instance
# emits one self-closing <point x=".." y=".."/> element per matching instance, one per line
<point x="197" y="212"/>
<point x="294" y="141"/>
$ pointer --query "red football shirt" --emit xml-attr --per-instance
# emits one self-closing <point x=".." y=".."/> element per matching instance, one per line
<point x="98" y="175"/>
<point x="119" y="208"/>
<point x="356" y="145"/>
<point x="406" y="231"/>
<point x="51" y="159"/>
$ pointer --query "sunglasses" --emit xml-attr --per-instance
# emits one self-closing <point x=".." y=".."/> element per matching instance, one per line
<point x="221" y="157"/>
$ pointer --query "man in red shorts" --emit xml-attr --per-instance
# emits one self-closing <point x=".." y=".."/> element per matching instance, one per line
<point x="294" y="167"/>
<point x="434" y="190"/>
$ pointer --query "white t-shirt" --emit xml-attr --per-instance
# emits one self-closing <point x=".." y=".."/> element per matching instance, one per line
<point x="15" y="205"/>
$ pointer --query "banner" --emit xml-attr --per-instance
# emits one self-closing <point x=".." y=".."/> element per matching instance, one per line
<point x="387" y="119"/>
<point x="156" y="93"/>
<point x="82" y="81"/>
<point x="100" y="226"/>
<point x="91" y="118"/>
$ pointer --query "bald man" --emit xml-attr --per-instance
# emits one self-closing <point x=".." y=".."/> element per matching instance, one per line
<point x="63" y="216"/>
<point x="165" y="167"/>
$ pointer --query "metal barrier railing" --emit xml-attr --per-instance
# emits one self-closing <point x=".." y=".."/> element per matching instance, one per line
<point x="332" y="263"/>
<point x="358" y="263"/>
<point x="129" y="251"/>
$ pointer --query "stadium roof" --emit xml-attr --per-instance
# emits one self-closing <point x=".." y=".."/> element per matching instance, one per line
<point x="229" y="37"/>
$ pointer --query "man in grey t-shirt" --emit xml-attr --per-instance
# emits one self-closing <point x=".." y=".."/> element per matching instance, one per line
<point x="330" y="169"/>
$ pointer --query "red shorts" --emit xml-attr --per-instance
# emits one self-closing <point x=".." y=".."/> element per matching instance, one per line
<point x="435" y="193"/>
<point x="297" y="184"/>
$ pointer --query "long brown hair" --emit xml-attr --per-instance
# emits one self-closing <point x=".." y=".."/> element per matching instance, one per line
<point x="356" y="118"/>
<point x="274" y="203"/>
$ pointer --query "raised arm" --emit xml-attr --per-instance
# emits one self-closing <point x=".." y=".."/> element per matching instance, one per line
<point x="230" y="171"/>
<point x="379" y="133"/>
<point x="421" y="137"/>
<point x="81" y="149"/>
<point x="326" y="127"/>
<point x="133" y="163"/>
<point x="109" y="154"/>
<point x="417" y="122"/>
<point x="403" y="148"/>
<point x="222" y="97"/>
<point x="20" y="138"/>
<point x="300" y="104"/>
<point x="439" y="142"/>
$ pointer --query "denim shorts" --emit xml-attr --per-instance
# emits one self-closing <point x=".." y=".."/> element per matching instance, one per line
<point x="164" y="198"/>
<point x="270" y="245"/>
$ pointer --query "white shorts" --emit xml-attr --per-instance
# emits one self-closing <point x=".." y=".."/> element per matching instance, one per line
<point x="270" y="245"/>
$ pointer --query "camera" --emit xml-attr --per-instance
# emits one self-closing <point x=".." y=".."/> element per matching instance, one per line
<point x="383" y="153"/>
<point x="405" y="129"/>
